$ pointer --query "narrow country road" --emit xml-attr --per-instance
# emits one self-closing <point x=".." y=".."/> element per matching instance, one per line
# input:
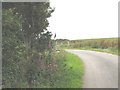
<point x="101" y="69"/>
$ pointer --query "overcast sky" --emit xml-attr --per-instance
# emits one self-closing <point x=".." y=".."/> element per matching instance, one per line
<point x="84" y="19"/>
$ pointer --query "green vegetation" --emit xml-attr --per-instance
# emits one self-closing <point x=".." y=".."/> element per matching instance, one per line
<point x="109" y="45"/>
<point x="29" y="58"/>
<point x="71" y="70"/>
<point x="25" y="50"/>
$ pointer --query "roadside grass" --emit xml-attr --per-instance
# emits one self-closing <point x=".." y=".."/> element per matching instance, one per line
<point x="67" y="72"/>
<point x="107" y="50"/>
<point x="71" y="71"/>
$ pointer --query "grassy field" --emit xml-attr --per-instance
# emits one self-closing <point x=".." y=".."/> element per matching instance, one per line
<point x="109" y="45"/>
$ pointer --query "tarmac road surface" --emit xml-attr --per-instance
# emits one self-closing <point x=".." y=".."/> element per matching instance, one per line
<point x="101" y="69"/>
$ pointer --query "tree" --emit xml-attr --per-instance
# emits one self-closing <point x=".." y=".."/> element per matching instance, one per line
<point x="34" y="21"/>
<point x="25" y="35"/>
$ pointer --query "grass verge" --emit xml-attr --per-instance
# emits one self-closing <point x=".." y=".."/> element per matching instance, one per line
<point x="71" y="70"/>
<point x="107" y="50"/>
<point x="57" y="70"/>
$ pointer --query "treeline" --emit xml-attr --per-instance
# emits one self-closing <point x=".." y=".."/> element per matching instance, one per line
<point x="27" y="50"/>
